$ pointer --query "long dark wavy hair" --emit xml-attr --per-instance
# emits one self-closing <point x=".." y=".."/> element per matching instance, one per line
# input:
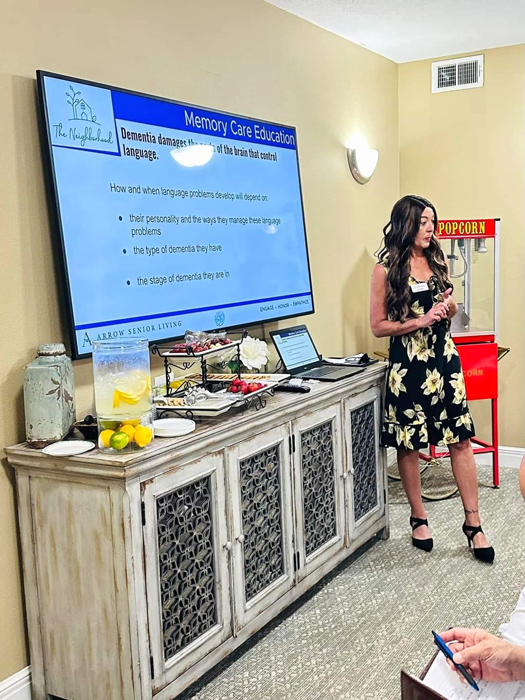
<point x="398" y="240"/>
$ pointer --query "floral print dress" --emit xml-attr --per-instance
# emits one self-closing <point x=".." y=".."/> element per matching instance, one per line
<point x="425" y="400"/>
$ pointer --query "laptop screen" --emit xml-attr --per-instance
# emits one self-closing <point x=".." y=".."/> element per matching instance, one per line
<point x="295" y="347"/>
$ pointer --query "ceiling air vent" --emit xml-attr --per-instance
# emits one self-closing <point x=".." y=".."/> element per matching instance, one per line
<point x="457" y="74"/>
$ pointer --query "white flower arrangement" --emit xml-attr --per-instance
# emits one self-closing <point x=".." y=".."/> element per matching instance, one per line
<point x="254" y="353"/>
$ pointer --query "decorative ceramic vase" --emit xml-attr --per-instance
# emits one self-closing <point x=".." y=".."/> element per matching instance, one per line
<point x="49" y="396"/>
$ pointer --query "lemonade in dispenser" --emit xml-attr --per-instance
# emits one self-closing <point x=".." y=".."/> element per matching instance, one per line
<point x="123" y="394"/>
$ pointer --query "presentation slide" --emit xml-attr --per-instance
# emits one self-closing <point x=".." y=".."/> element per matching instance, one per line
<point x="172" y="217"/>
<point x="296" y="348"/>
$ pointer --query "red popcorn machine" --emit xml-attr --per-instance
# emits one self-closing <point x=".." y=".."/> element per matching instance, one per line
<point x="471" y="247"/>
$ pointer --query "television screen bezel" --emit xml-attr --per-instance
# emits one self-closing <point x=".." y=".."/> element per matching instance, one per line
<point x="54" y="203"/>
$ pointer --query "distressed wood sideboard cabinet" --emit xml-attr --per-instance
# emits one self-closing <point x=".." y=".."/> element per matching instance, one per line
<point x="142" y="571"/>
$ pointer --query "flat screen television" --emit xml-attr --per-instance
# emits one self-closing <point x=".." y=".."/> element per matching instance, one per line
<point x="171" y="216"/>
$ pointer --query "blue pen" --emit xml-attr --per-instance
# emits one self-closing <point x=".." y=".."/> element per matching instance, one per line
<point x="448" y="653"/>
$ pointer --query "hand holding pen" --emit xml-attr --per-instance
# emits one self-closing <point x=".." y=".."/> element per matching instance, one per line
<point x="454" y="664"/>
<point x="484" y="656"/>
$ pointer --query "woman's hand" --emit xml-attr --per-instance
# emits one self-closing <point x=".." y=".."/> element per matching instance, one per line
<point x="447" y="299"/>
<point x="452" y="307"/>
<point x="437" y="313"/>
<point x="485" y="656"/>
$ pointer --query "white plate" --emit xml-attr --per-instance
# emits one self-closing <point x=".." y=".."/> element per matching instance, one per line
<point x="173" y="427"/>
<point x="67" y="448"/>
<point x="184" y="355"/>
<point x="248" y="377"/>
<point x="244" y="397"/>
<point x="210" y="409"/>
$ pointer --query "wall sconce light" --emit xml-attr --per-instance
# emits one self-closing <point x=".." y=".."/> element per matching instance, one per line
<point x="362" y="162"/>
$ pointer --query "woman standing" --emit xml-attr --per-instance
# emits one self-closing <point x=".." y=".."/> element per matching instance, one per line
<point x="425" y="398"/>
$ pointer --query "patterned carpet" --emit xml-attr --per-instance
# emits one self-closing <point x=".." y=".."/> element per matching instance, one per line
<point x="349" y="637"/>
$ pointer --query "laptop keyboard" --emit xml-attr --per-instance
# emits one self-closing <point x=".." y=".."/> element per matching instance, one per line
<point x="320" y="371"/>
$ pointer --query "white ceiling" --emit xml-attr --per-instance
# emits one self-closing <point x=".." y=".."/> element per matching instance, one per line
<point x="411" y="30"/>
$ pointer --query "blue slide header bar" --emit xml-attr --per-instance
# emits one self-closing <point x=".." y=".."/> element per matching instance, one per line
<point x="149" y="111"/>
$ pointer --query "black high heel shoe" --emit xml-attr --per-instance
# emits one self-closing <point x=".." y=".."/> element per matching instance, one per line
<point x="425" y="545"/>
<point x="485" y="554"/>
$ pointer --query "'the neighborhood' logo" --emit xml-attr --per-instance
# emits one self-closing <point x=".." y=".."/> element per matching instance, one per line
<point x="81" y="110"/>
<point x="88" y="130"/>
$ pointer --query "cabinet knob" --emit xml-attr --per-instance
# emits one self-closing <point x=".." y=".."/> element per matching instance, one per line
<point x="352" y="471"/>
<point x="345" y="475"/>
<point x="240" y="538"/>
<point x="228" y="546"/>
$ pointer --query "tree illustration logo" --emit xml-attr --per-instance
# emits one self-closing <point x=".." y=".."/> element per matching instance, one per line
<point x="81" y="109"/>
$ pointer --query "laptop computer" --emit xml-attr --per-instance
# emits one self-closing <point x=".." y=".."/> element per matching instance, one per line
<point x="301" y="359"/>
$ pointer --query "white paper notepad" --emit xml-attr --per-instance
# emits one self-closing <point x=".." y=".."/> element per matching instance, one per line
<point x="440" y="678"/>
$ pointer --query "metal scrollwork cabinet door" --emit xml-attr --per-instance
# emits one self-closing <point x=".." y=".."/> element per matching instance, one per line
<point x="319" y="490"/>
<point x="187" y="577"/>
<point x="366" y="497"/>
<point x="259" y="486"/>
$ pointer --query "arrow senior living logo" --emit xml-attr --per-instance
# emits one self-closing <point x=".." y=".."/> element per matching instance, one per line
<point x="83" y="126"/>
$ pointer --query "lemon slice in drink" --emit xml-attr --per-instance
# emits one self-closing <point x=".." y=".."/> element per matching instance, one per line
<point x="140" y="389"/>
<point x="124" y="397"/>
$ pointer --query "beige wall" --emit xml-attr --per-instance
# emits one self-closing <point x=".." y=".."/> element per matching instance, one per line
<point x="465" y="151"/>
<point x="243" y="56"/>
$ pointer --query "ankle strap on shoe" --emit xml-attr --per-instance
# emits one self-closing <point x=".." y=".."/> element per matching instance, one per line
<point x="417" y="522"/>
<point x="473" y="530"/>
